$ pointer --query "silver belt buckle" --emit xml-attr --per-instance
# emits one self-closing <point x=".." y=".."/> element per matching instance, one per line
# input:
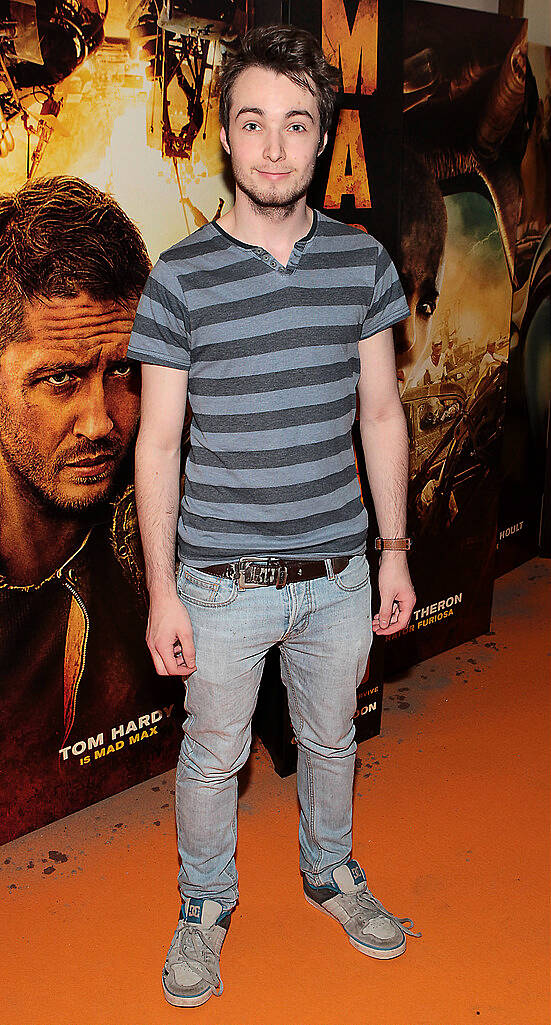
<point x="263" y="572"/>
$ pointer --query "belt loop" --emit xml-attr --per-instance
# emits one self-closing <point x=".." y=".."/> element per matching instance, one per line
<point x="329" y="569"/>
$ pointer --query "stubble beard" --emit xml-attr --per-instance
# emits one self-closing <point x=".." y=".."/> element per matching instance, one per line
<point x="275" y="204"/>
<point x="34" y="478"/>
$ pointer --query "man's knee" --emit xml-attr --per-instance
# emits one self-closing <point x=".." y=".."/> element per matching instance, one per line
<point x="212" y="756"/>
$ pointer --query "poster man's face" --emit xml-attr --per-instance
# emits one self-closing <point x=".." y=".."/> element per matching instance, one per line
<point x="274" y="138"/>
<point x="69" y="400"/>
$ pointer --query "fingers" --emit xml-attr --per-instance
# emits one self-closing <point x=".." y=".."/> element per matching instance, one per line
<point x="174" y="656"/>
<point x="386" y="623"/>
<point x="169" y="638"/>
<point x="390" y="621"/>
<point x="184" y="657"/>
<point x="388" y="612"/>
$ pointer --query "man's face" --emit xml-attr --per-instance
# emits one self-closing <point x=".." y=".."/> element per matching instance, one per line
<point x="274" y="138"/>
<point x="421" y="277"/>
<point x="69" y="400"/>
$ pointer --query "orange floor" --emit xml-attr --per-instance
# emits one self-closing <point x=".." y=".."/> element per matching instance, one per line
<point x="451" y="821"/>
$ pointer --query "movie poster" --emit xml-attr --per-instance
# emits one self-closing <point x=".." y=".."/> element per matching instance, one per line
<point x="464" y="78"/>
<point x="522" y="522"/>
<point x="94" y="103"/>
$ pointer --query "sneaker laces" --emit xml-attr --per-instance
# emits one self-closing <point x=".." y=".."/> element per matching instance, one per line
<point x="195" y="950"/>
<point x="366" y="899"/>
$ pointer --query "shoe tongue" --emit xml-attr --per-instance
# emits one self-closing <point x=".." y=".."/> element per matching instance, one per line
<point x="348" y="877"/>
<point x="202" y="911"/>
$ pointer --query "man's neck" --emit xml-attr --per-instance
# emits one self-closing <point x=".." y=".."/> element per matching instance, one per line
<point x="34" y="541"/>
<point x="275" y="229"/>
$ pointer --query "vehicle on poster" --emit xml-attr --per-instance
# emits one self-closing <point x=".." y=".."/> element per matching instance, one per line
<point x="454" y="445"/>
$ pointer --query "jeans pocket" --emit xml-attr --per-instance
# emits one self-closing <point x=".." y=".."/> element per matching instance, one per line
<point x="355" y="575"/>
<point x="204" y="589"/>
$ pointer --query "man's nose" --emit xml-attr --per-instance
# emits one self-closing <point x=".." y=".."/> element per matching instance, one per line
<point x="93" y="420"/>
<point x="273" y="148"/>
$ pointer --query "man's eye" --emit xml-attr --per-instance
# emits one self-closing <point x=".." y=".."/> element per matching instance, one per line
<point x="297" y="128"/>
<point x="251" y="126"/>
<point x="121" y="370"/>
<point x="427" y="307"/>
<point x="61" y="378"/>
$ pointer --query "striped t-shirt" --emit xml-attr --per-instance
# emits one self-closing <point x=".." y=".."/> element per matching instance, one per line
<point x="273" y="361"/>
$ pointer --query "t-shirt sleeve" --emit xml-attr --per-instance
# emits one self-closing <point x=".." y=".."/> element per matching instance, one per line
<point x="162" y="332"/>
<point x="388" y="303"/>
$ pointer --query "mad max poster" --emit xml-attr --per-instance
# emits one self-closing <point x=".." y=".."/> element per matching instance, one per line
<point x="127" y="107"/>
<point x="464" y="78"/>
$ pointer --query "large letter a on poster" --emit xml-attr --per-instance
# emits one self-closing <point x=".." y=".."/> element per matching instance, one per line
<point x="353" y="49"/>
<point x="348" y="173"/>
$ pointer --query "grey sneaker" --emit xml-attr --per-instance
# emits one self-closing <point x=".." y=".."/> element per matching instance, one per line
<point x="368" y="925"/>
<point x="192" y="968"/>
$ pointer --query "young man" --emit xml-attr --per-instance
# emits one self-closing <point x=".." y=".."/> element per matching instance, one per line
<point x="258" y="317"/>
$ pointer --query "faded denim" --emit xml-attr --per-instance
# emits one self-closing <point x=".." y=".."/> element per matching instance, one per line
<point x="323" y="629"/>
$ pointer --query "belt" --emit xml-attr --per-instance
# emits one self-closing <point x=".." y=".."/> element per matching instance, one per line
<point x="260" y="572"/>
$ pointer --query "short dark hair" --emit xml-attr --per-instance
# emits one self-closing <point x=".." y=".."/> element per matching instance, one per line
<point x="288" y="51"/>
<point x="61" y="236"/>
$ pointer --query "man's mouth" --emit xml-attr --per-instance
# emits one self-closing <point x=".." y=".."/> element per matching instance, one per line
<point x="92" y="468"/>
<point x="273" y="175"/>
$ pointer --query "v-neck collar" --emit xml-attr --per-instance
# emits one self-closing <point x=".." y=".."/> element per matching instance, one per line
<point x="268" y="258"/>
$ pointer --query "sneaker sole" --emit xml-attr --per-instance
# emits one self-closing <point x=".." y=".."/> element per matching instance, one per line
<point x="181" y="1001"/>
<point x="381" y="954"/>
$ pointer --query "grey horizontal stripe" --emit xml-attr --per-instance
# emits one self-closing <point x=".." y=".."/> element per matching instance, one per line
<point x="383" y="263"/>
<point x="265" y="363"/>
<point x="330" y="259"/>
<point x="158" y="359"/>
<point x="280" y="494"/>
<point x="277" y="301"/>
<point x="267" y="476"/>
<point x="387" y="319"/>
<point x="286" y="320"/>
<point x="278" y="402"/>
<point x="146" y="328"/>
<point x="332" y="549"/>
<point x="393" y="293"/>
<point x="192" y="249"/>
<point x="273" y="420"/>
<point x="255" y="384"/>
<point x="158" y="293"/>
<point x="274" y="528"/>
<point x="278" y="341"/>
<point x="240" y="274"/>
<point x="232" y="273"/>
<point x="310" y="284"/>
<point x="289" y="456"/>
<point x="280" y="436"/>
<point x="271" y="512"/>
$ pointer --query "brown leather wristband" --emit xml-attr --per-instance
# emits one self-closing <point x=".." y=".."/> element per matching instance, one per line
<point x="393" y="544"/>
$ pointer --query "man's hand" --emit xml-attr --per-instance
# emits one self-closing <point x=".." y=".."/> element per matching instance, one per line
<point x="397" y="595"/>
<point x="169" y="636"/>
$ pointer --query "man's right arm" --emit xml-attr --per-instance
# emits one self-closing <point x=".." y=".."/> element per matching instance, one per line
<point x="163" y="406"/>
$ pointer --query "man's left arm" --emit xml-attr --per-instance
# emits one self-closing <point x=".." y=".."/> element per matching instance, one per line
<point x="385" y="447"/>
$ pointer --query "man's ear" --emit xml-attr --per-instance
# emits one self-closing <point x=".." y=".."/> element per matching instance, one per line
<point x="224" y="140"/>
<point x="322" y="145"/>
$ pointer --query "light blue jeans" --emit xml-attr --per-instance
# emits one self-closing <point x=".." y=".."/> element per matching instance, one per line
<point x="323" y="630"/>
